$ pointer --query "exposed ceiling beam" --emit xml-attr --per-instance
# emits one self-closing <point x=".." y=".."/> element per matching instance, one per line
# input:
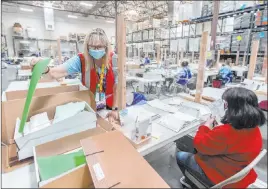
<point x="58" y="9"/>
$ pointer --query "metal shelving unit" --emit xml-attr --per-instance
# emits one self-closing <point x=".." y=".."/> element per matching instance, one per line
<point x="4" y="49"/>
<point x="192" y="30"/>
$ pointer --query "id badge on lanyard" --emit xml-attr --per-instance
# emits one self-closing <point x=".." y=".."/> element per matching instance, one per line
<point x="100" y="100"/>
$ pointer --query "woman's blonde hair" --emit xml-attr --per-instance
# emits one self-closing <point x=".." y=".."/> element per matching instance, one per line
<point x="96" y="37"/>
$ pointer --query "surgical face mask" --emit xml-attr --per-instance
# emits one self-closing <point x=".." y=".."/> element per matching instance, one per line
<point x="96" y="54"/>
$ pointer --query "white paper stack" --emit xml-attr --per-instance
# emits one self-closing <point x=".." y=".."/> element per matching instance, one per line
<point x="68" y="110"/>
<point x="36" y="123"/>
<point x="176" y="121"/>
<point x="130" y="115"/>
<point x="162" y="106"/>
<point x="175" y="101"/>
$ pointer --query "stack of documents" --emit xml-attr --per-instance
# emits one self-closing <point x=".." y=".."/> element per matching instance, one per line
<point x="162" y="106"/>
<point x="176" y="121"/>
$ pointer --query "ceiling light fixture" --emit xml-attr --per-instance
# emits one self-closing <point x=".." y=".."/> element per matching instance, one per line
<point x="26" y="10"/>
<point x="109" y="21"/>
<point x="132" y="12"/>
<point x="72" y="16"/>
<point x="86" y="4"/>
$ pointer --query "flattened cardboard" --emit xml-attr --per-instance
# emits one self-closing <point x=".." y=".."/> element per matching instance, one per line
<point x="21" y="94"/>
<point x="114" y="162"/>
<point x="78" y="178"/>
<point x="13" y="109"/>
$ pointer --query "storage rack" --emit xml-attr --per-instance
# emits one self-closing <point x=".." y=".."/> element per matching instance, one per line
<point x="193" y="25"/>
<point x="68" y="42"/>
<point x="4" y="49"/>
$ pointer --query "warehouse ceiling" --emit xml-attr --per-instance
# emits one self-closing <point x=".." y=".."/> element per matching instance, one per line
<point x="133" y="10"/>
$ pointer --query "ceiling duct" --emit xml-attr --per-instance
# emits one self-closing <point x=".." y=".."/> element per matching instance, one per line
<point x="49" y="16"/>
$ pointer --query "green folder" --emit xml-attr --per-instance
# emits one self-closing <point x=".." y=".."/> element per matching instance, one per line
<point x="53" y="166"/>
<point x="38" y="70"/>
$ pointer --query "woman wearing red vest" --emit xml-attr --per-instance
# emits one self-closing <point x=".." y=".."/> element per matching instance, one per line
<point x="224" y="150"/>
<point x="96" y="66"/>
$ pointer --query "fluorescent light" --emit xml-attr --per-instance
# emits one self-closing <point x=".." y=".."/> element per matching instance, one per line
<point x="110" y="21"/>
<point x="86" y="4"/>
<point x="72" y="16"/>
<point x="27" y="10"/>
<point x="132" y="12"/>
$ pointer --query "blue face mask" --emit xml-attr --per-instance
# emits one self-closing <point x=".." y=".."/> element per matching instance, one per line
<point x="96" y="54"/>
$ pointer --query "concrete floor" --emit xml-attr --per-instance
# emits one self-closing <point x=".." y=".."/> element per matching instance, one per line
<point x="164" y="162"/>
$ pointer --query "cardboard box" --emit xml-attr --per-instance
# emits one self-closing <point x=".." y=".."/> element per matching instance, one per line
<point x="78" y="178"/>
<point x="21" y="94"/>
<point x="13" y="109"/>
<point x="10" y="159"/>
<point x="82" y="121"/>
<point x="113" y="162"/>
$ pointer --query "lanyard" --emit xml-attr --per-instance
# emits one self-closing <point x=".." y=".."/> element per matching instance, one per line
<point x="101" y="77"/>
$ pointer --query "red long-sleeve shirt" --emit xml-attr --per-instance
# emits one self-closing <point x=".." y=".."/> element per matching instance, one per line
<point x="224" y="151"/>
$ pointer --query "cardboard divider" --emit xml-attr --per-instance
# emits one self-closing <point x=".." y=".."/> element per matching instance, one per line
<point x="207" y="98"/>
<point x="79" y="178"/>
<point x="11" y="110"/>
<point x="21" y="94"/>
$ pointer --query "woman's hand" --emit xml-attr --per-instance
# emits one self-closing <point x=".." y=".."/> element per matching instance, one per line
<point x="113" y="116"/>
<point x="210" y="122"/>
<point x="34" y="61"/>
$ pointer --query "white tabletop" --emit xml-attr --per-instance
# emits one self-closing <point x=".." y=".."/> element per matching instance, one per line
<point x="259" y="78"/>
<point x="25" y="177"/>
<point x="143" y="80"/>
<point x="239" y="70"/>
<point x="216" y="93"/>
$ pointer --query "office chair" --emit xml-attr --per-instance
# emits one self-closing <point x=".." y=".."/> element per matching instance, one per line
<point x="235" y="178"/>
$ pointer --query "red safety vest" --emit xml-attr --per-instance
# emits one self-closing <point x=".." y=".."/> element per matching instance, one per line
<point x="94" y="79"/>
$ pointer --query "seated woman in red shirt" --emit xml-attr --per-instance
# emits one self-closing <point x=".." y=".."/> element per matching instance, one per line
<point x="226" y="149"/>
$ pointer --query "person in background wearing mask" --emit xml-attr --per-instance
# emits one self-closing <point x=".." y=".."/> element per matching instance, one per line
<point x="147" y="60"/>
<point x="225" y="73"/>
<point x="96" y="66"/>
<point x="224" y="150"/>
<point x="185" y="75"/>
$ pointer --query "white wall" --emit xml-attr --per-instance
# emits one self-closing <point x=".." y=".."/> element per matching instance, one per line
<point x="63" y="24"/>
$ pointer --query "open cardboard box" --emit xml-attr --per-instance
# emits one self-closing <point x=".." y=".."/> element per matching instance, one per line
<point x="80" y="122"/>
<point x="11" y="110"/>
<point x="13" y="95"/>
<point x="111" y="162"/>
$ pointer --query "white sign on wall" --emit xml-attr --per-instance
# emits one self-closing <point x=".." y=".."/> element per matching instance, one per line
<point x="49" y="16"/>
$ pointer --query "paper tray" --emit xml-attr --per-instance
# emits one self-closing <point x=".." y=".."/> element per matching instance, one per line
<point x="75" y="124"/>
